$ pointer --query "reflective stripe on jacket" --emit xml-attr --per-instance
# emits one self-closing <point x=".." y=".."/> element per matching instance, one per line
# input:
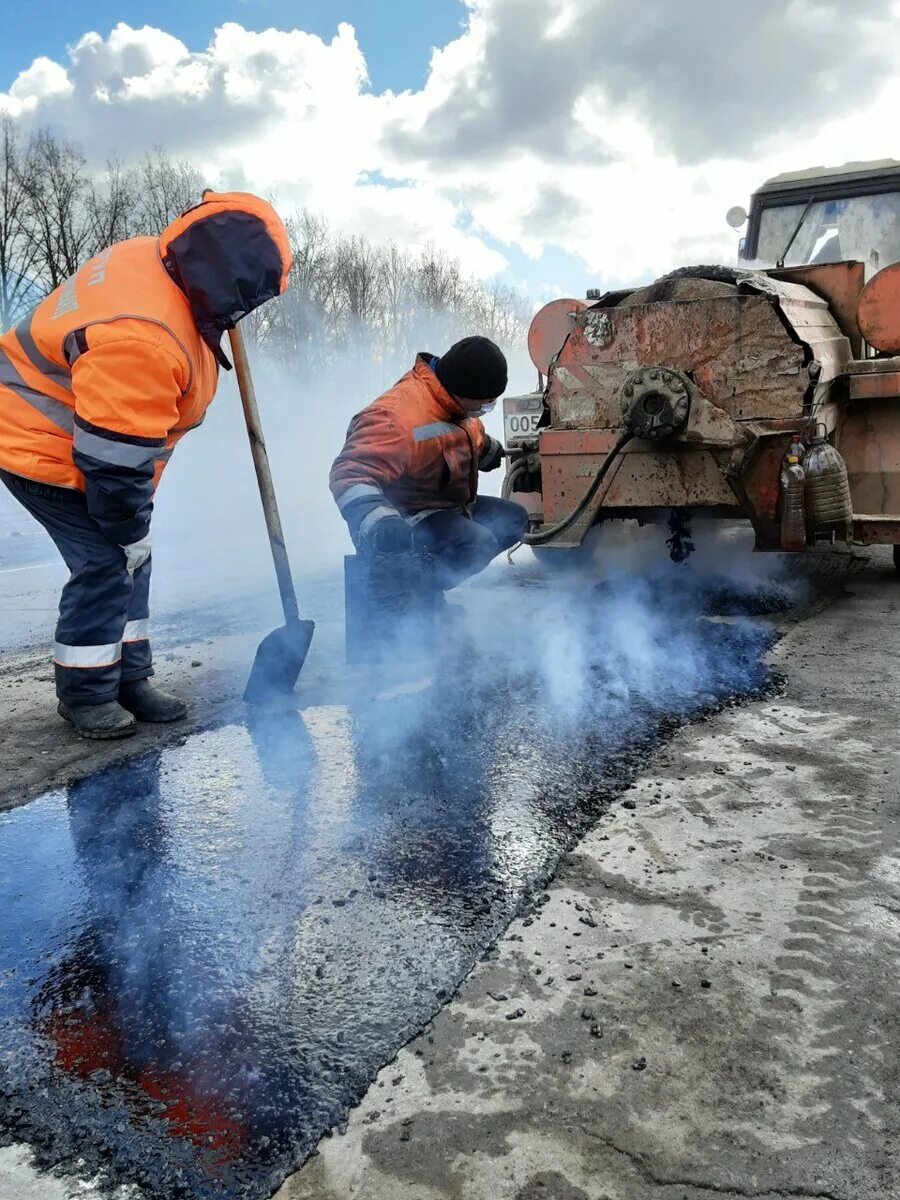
<point x="101" y="380"/>
<point x="412" y="449"/>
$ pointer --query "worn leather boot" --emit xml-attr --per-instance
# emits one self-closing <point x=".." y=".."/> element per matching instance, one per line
<point x="149" y="703"/>
<point x="99" y="722"/>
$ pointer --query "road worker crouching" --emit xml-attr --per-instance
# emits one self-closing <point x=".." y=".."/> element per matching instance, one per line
<point x="407" y="477"/>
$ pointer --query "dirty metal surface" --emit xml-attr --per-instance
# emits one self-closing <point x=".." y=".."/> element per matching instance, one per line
<point x="737" y="350"/>
<point x="875" y="387"/>
<point x="874" y="379"/>
<point x="869" y="440"/>
<point x="811" y="319"/>
<point x="759" y="488"/>
<point x="840" y="284"/>
<point x="873" y="366"/>
<point x="682" y="479"/>
<point x="206" y="955"/>
<point x="570" y="460"/>
<point x="643" y="476"/>
<point x="871" y="530"/>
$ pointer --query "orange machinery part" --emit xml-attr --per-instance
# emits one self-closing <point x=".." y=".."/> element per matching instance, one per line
<point x="879" y="310"/>
<point x="549" y="330"/>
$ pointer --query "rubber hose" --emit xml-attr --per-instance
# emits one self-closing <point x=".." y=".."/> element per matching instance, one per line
<point x="506" y="491"/>
<point x="547" y="535"/>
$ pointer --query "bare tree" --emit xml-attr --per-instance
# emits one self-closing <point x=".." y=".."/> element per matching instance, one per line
<point x="439" y="282"/>
<point x="359" y="287"/>
<point x="112" y="207"/>
<point x="301" y="324"/>
<point x="18" y="290"/>
<point x="501" y="314"/>
<point x="352" y="305"/>
<point x="398" y="296"/>
<point x="444" y="298"/>
<point x="59" y="227"/>
<point x="165" y="190"/>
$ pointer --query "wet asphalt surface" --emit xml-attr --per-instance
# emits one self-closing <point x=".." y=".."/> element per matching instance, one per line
<point x="207" y="954"/>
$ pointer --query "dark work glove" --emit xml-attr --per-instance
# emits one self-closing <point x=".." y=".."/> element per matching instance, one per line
<point x="391" y="535"/>
<point x="491" y="454"/>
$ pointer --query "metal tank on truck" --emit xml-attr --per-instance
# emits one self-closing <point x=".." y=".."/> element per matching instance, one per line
<point x="686" y="397"/>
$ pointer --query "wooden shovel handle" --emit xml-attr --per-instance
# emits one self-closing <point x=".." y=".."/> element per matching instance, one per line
<point x="264" y="477"/>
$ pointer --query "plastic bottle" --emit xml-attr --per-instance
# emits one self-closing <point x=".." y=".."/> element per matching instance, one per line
<point x="793" y="504"/>
<point x="828" y="503"/>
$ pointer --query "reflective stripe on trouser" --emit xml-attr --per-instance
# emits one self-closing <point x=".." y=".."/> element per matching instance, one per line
<point x="101" y="636"/>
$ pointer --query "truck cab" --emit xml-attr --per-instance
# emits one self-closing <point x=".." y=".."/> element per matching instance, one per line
<point x="825" y="215"/>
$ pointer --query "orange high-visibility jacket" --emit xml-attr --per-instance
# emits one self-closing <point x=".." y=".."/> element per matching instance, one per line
<point x="106" y="374"/>
<point x="412" y="450"/>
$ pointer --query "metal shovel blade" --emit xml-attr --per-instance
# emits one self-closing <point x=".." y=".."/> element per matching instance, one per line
<point x="278" y="662"/>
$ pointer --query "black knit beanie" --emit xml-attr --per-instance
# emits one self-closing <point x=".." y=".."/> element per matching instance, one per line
<point x="474" y="368"/>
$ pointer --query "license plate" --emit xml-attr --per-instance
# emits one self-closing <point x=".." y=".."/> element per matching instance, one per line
<point x="521" y="417"/>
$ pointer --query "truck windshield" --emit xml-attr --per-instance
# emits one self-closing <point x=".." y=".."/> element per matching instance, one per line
<point x="866" y="228"/>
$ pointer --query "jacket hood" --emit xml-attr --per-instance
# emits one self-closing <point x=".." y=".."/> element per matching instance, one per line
<point x="229" y="254"/>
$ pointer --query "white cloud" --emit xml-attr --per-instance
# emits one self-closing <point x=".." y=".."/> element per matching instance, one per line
<point x="618" y="133"/>
<point x="42" y="81"/>
<point x="281" y="112"/>
<point x="696" y="73"/>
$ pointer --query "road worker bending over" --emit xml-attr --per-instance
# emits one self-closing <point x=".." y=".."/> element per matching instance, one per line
<point x="97" y="386"/>
<point x="407" y="477"/>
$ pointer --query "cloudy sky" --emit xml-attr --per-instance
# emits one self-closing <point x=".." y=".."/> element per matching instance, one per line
<point x="559" y="144"/>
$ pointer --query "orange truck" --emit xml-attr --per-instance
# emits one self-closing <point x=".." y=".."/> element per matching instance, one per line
<point x="692" y="395"/>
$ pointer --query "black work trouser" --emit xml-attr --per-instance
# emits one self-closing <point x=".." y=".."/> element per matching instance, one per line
<point x="102" y="633"/>
<point x="463" y="545"/>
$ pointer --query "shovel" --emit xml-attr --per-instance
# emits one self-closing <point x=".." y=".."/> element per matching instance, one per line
<point x="282" y="653"/>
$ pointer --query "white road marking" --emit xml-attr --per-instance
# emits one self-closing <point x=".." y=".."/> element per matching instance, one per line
<point x="34" y="567"/>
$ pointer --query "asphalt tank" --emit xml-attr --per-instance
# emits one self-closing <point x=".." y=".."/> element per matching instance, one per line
<point x="686" y="397"/>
